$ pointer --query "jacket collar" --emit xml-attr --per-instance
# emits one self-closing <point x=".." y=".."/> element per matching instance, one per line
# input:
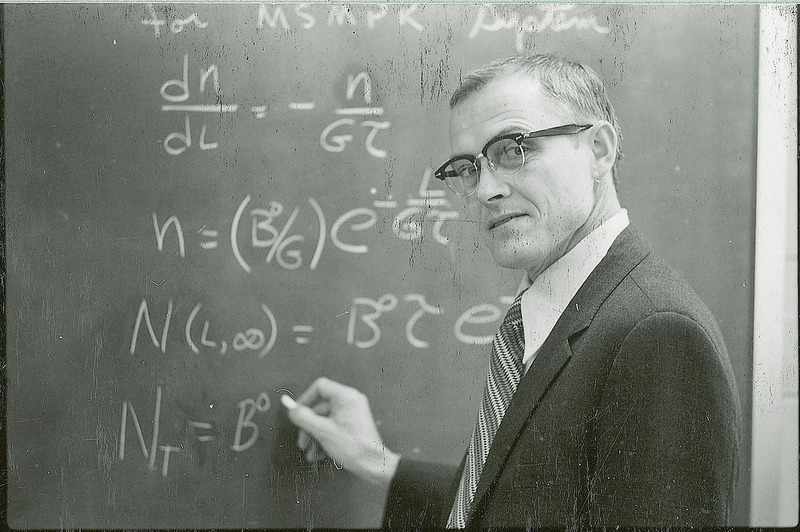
<point x="628" y="250"/>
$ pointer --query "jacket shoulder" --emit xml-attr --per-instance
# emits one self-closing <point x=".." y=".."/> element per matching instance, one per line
<point x="665" y="291"/>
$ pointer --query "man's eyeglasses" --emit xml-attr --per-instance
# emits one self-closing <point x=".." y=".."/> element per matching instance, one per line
<point x="505" y="155"/>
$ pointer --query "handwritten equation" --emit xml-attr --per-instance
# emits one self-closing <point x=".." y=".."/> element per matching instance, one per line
<point x="176" y="95"/>
<point x="475" y="326"/>
<point x="245" y="435"/>
<point x="364" y="330"/>
<point x="522" y="21"/>
<point x="270" y="229"/>
<point x="195" y="95"/>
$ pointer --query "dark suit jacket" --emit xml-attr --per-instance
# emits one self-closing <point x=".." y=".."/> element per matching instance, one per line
<point x="629" y="415"/>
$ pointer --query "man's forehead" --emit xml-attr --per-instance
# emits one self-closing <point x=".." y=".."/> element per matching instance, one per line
<point x="501" y="103"/>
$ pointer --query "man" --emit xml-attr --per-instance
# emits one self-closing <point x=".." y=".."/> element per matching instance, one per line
<point x="610" y="398"/>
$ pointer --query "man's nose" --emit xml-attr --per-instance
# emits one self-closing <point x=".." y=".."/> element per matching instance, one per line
<point x="491" y="187"/>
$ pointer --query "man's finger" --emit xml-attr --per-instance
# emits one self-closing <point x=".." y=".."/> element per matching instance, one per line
<point x="324" y="389"/>
<point x="322" y="408"/>
<point x="288" y="402"/>
<point x="306" y="419"/>
<point x="303" y="440"/>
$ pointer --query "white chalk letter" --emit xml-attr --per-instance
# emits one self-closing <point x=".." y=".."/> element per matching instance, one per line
<point x="247" y="409"/>
<point x="424" y="308"/>
<point x="352" y="84"/>
<point x="339" y="141"/>
<point x="337" y="14"/>
<point x="385" y="303"/>
<point x="404" y="17"/>
<point x="309" y="19"/>
<point x="372" y="218"/>
<point x="376" y="126"/>
<point x="477" y="315"/>
<point x="181" y="84"/>
<point x="146" y="313"/>
<point x="161" y="232"/>
<point x="185" y="138"/>
<point x="372" y="16"/>
<point x="272" y="21"/>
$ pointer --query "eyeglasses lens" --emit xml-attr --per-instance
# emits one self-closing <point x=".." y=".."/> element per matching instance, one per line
<point x="505" y="156"/>
<point x="461" y="176"/>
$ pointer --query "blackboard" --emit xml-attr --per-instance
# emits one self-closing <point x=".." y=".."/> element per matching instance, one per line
<point x="207" y="206"/>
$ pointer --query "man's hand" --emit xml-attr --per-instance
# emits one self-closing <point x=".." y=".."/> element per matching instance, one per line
<point x="339" y="419"/>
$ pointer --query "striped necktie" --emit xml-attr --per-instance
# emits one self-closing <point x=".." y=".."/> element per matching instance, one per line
<point x="505" y="369"/>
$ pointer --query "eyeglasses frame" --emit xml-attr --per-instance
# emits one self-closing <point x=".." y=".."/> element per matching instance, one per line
<point x="566" y="129"/>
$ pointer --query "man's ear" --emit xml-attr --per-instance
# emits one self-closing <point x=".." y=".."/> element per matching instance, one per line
<point x="604" y="147"/>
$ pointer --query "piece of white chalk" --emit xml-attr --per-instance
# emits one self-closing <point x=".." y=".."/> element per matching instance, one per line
<point x="288" y="402"/>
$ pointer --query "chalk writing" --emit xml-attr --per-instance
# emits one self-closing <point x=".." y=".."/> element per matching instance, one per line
<point x="410" y="223"/>
<point x="270" y="231"/>
<point x="556" y="18"/>
<point x="364" y="330"/>
<point x="369" y="222"/>
<point x="183" y="93"/>
<point x="478" y="315"/>
<point x="151" y="455"/>
<point x="161" y="231"/>
<point x="303" y="330"/>
<point x="176" y="26"/>
<point x="302" y="16"/>
<point x="184" y="139"/>
<point x="248" y="409"/>
<point x="209" y="233"/>
<point x="424" y="308"/>
<point x="265" y="235"/>
<point x="363" y="327"/>
<point x="252" y="339"/>
<point x="334" y="138"/>
<point x="338" y="142"/>
<point x="176" y="92"/>
<point x="203" y="431"/>
<point x="489" y="18"/>
<point x="145" y="313"/>
<point x="377" y="307"/>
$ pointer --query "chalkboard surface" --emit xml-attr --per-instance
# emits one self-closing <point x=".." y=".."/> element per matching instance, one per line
<point x="208" y="206"/>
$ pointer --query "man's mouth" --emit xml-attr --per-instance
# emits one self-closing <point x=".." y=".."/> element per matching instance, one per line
<point x="502" y="220"/>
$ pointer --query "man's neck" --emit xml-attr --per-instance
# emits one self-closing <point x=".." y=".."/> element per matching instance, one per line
<point x="606" y="206"/>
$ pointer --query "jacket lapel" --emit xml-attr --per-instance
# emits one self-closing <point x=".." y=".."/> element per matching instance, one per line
<point x="628" y="250"/>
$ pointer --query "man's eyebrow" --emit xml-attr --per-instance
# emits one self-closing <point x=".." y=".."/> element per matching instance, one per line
<point x="508" y="130"/>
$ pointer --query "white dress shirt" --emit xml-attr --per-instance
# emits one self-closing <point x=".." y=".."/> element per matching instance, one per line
<point x="546" y="298"/>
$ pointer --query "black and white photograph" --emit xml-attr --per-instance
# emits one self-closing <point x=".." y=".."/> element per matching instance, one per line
<point x="404" y="265"/>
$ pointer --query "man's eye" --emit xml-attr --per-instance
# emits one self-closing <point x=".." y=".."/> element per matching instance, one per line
<point x="512" y="151"/>
<point x="507" y="153"/>
<point x="529" y="146"/>
<point x="465" y="169"/>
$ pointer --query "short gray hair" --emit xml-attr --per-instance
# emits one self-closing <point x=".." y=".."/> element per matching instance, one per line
<point x="572" y="86"/>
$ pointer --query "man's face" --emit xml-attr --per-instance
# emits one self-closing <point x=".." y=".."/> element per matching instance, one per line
<point x="532" y="218"/>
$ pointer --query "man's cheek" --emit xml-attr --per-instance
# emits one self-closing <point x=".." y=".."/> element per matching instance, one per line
<point x="472" y="212"/>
